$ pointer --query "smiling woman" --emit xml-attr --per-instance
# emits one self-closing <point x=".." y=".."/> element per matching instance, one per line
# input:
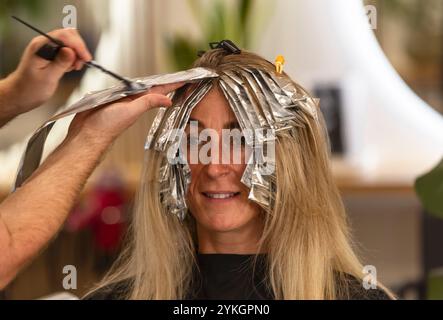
<point x="227" y="222"/>
<point x="244" y="235"/>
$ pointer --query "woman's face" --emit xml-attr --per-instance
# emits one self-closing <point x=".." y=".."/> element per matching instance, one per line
<point x="216" y="197"/>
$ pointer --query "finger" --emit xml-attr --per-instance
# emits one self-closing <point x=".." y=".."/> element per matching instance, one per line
<point x="150" y="101"/>
<point x="36" y="43"/>
<point x="72" y="39"/>
<point x="63" y="62"/>
<point x="30" y="59"/>
<point x="158" y="90"/>
<point x="79" y="65"/>
<point x="166" y="88"/>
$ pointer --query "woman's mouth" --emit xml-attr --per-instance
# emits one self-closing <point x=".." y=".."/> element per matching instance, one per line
<point x="220" y="195"/>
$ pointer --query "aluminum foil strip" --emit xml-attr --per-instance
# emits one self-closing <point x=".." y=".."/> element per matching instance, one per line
<point x="246" y="99"/>
<point x="285" y="104"/>
<point x="240" y="113"/>
<point x="240" y="100"/>
<point x="174" y="188"/>
<point x="198" y="94"/>
<point x="301" y="99"/>
<point x="281" y="115"/>
<point x="253" y="109"/>
<point x="278" y="117"/>
<point x="175" y="119"/>
<point x="259" y="176"/>
<point x="259" y="96"/>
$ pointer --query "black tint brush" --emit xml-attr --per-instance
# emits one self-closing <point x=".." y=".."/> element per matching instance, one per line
<point x="49" y="52"/>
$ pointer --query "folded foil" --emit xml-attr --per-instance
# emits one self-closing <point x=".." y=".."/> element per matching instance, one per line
<point x="32" y="155"/>
<point x="263" y="103"/>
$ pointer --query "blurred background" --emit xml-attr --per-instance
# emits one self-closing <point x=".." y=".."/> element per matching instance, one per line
<point x="377" y="67"/>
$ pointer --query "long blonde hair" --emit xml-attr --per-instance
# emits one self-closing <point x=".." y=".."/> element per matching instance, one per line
<point x="306" y="234"/>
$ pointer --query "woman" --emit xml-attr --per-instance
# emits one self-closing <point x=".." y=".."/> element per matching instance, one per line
<point x="232" y="247"/>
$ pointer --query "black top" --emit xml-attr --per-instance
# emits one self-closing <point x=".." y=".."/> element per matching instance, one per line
<point x="231" y="276"/>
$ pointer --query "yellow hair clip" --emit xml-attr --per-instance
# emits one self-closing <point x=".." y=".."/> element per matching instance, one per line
<point x="279" y="62"/>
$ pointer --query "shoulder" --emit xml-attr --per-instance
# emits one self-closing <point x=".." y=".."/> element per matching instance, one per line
<point x="113" y="291"/>
<point x="357" y="291"/>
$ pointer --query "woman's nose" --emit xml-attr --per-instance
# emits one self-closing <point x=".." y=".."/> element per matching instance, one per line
<point x="215" y="171"/>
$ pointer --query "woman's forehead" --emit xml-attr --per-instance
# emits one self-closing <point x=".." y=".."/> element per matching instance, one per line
<point x="214" y="109"/>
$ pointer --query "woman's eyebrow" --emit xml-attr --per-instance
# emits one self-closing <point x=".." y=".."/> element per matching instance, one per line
<point x="229" y="125"/>
<point x="232" y="125"/>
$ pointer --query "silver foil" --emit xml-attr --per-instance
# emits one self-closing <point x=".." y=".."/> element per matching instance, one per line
<point x="263" y="103"/>
<point x="31" y="157"/>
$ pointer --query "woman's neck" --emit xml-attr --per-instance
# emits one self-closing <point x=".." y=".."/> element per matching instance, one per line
<point x="239" y="241"/>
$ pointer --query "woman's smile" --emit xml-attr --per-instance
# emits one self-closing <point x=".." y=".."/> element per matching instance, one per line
<point x="220" y="196"/>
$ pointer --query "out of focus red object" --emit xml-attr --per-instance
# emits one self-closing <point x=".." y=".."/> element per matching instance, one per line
<point x="103" y="210"/>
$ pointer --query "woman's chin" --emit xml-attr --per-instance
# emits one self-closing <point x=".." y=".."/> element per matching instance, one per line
<point x="223" y="222"/>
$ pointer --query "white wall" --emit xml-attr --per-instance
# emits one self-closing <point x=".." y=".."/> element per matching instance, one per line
<point x="391" y="134"/>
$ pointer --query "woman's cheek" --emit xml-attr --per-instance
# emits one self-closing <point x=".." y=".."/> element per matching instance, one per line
<point x="195" y="172"/>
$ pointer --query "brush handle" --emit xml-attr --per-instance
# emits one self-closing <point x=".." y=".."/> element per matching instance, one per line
<point x="49" y="51"/>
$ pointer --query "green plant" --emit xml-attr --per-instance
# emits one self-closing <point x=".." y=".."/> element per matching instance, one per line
<point x="218" y="21"/>
<point x="9" y="7"/>
<point x="429" y="188"/>
<point x="10" y="52"/>
<point x="435" y="284"/>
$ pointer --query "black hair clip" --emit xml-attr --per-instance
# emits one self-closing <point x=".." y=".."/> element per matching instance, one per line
<point x="227" y="45"/>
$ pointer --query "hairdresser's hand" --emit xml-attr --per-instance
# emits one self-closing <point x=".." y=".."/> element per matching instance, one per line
<point x="105" y="124"/>
<point x="35" y="79"/>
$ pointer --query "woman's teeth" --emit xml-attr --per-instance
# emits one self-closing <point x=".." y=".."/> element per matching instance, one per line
<point x="221" y="195"/>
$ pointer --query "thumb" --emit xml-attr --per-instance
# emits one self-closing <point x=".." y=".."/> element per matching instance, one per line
<point x="149" y="101"/>
<point x="62" y="63"/>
